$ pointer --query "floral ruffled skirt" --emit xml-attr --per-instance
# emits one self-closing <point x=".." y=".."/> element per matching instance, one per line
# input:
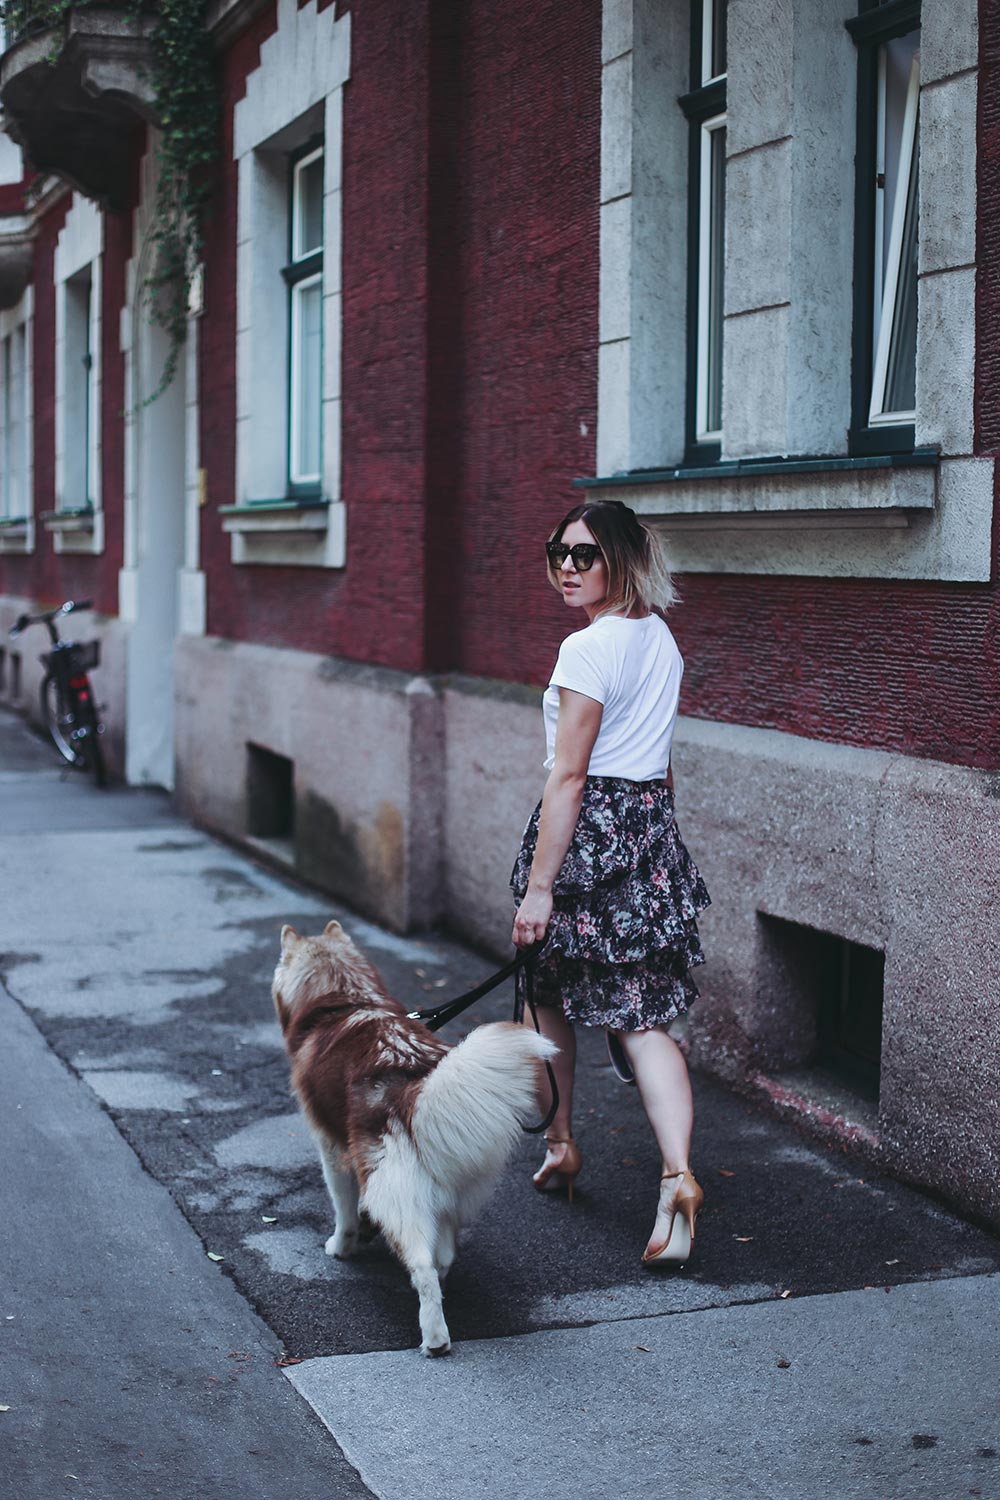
<point x="624" y="930"/>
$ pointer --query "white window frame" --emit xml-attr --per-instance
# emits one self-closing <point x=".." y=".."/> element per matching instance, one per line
<point x="708" y="43"/>
<point x="296" y="476"/>
<point x="81" y="424"/>
<point x="285" y="105"/>
<point x="885" y="288"/>
<point x="15" y="426"/>
<point x="703" y="432"/>
<point x="77" y="523"/>
<point x="18" y="532"/>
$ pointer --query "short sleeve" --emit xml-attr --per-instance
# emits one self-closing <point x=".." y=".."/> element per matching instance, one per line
<point x="582" y="666"/>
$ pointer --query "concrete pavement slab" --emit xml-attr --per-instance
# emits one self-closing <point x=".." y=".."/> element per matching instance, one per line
<point x="854" y="1396"/>
<point x="129" y="1364"/>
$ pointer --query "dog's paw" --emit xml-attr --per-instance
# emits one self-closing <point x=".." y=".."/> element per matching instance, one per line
<point x="343" y="1243"/>
<point x="435" y="1351"/>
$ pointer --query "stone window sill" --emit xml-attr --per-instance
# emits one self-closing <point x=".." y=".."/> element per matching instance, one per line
<point x="880" y="490"/>
<point x="17" y="534"/>
<point x="78" y="528"/>
<point x="305" y="533"/>
<point x="63" y="522"/>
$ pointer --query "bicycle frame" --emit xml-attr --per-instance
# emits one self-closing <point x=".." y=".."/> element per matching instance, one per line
<point x="67" y="702"/>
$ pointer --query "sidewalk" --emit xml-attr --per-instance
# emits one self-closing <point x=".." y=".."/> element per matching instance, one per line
<point x="144" y="1001"/>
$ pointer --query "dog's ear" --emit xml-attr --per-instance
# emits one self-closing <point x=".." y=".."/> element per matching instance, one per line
<point x="333" y="929"/>
<point x="289" y="940"/>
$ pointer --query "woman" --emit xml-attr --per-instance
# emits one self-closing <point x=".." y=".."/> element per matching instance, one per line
<point x="602" y="874"/>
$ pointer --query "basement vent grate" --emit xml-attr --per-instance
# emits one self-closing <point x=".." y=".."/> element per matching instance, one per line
<point x="271" y="800"/>
<point x="833" y="989"/>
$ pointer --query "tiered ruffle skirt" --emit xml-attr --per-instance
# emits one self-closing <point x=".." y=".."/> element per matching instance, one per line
<point x="624" y="931"/>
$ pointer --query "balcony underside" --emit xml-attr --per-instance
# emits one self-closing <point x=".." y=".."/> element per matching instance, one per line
<point x="75" y="112"/>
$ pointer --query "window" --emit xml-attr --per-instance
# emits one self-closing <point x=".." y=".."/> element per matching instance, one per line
<point x="81" y="407"/>
<point x="288" y="132"/>
<point x="304" y="275"/>
<point x="885" y="307"/>
<point x="705" y="108"/>
<point x="77" y="522"/>
<point x="14" y="481"/>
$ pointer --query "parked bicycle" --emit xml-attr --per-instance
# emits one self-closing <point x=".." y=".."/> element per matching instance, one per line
<point x="67" y="701"/>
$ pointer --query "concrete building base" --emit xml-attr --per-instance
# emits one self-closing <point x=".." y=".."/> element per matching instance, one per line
<point x="361" y="749"/>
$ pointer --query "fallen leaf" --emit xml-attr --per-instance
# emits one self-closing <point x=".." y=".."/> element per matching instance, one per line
<point x="784" y="1364"/>
<point x="743" y="1239"/>
<point x="724" y="1173"/>
<point x="268" y="1219"/>
<point x="287" y="1359"/>
<point x="420" y="973"/>
<point x="643" y="1348"/>
<point x="212" y="1255"/>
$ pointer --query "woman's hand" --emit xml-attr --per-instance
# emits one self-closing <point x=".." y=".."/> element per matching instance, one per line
<point x="532" y="919"/>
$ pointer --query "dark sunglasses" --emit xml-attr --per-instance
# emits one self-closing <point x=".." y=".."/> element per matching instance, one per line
<point x="584" y="555"/>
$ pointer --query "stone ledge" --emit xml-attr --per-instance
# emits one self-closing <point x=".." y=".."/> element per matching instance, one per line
<point x="287" y="532"/>
<point x="17" y="534"/>
<point x="269" y="516"/>
<point x="69" y="521"/>
<point x="780" y="494"/>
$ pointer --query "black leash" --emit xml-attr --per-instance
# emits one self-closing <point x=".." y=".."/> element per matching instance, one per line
<point x="440" y="1015"/>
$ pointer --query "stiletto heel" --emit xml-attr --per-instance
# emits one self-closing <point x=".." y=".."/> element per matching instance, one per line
<point x="562" y="1168"/>
<point x="683" y="1203"/>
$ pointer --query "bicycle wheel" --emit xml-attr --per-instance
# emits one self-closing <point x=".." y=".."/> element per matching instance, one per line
<point x="89" y="752"/>
<point x="59" y="718"/>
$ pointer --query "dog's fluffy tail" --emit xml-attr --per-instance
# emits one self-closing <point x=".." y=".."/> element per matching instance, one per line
<point x="468" y="1117"/>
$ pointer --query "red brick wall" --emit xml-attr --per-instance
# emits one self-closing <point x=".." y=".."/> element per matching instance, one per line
<point x="372" y="610"/>
<point x="522" y="413"/>
<point x="44" y="575"/>
<point x="469" y="338"/>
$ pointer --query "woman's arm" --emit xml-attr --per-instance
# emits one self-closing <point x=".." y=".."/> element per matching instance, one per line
<point x="576" y="731"/>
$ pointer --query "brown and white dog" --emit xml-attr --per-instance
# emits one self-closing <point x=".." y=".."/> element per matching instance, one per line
<point x="411" y="1133"/>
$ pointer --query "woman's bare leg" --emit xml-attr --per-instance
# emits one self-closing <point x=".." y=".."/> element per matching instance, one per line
<point x="665" y="1090"/>
<point x="553" y="1024"/>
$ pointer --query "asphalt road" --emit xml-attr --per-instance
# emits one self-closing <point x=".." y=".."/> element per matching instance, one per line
<point x="135" y="960"/>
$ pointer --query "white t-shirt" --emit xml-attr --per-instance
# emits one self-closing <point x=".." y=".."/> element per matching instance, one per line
<point x="632" y="667"/>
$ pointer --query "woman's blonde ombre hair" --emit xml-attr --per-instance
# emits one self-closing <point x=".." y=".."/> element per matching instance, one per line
<point x="635" y="556"/>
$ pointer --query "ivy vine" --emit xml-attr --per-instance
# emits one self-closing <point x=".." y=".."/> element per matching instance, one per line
<point x="187" y="107"/>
